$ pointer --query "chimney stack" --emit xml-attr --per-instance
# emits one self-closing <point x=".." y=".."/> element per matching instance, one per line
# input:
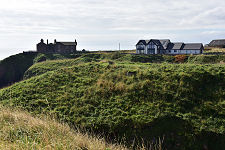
<point x="47" y="41"/>
<point x="55" y="41"/>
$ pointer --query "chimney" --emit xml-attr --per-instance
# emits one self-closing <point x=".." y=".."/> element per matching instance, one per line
<point x="55" y="41"/>
<point x="75" y="41"/>
<point x="42" y="41"/>
<point x="47" y="41"/>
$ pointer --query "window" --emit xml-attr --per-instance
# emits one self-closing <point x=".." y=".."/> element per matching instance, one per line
<point x="151" y="46"/>
<point x="140" y="47"/>
<point x="175" y="51"/>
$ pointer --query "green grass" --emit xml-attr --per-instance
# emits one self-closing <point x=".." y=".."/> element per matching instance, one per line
<point x="119" y="58"/>
<point x="22" y="131"/>
<point x="136" y="96"/>
<point x="12" y="68"/>
<point x="182" y="103"/>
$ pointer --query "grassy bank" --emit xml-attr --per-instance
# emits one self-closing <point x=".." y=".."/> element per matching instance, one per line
<point x="12" y="69"/>
<point x="22" y="131"/>
<point x="182" y="103"/>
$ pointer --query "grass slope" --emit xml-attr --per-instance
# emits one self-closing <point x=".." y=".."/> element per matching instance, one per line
<point x="19" y="130"/>
<point x="182" y="103"/>
<point x="12" y="68"/>
<point x="40" y="68"/>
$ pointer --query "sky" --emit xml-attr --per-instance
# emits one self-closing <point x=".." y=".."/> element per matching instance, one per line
<point x="103" y="24"/>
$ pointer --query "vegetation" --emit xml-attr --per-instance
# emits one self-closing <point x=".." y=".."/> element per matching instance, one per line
<point x="214" y="50"/>
<point x="135" y="100"/>
<point x="180" y="99"/>
<point x="19" y="130"/>
<point x="12" y="68"/>
<point x="206" y="59"/>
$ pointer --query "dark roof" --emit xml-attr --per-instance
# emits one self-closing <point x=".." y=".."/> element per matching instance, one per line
<point x="175" y="46"/>
<point x="143" y="41"/>
<point x="162" y="43"/>
<point x="68" y="43"/>
<point x="219" y="42"/>
<point x="157" y="42"/>
<point x="193" y="46"/>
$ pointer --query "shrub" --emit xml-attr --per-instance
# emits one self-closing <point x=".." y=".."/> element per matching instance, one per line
<point x="180" y="58"/>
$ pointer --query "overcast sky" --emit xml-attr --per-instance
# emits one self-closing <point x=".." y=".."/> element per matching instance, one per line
<point x="103" y="24"/>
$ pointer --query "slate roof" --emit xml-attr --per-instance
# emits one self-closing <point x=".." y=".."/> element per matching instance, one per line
<point x="219" y="42"/>
<point x="68" y="43"/>
<point x="193" y="46"/>
<point x="143" y="41"/>
<point x="164" y="42"/>
<point x="176" y="46"/>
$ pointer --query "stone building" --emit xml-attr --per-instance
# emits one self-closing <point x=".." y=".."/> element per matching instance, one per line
<point x="57" y="47"/>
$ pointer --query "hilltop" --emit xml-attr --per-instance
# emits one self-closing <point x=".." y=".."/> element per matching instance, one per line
<point x="180" y="100"/>
<point x="12" y="69"/>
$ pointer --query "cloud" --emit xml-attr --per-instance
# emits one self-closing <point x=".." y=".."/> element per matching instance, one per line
<point x="100" y="24"/>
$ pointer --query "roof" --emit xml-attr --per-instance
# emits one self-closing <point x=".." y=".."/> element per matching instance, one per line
<point x="143" y="41"/>
<point x="68" y="43"/>
<point x="164" y="42"/>
<point x="159" y="42"/>
<point x="219" y="42"/>
<point x="193" y="46"/>
<point x="176" y="46"/>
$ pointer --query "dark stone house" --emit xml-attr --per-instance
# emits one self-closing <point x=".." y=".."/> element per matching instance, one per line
<point x="57" y="47"/>
<point x="217" y="43"/>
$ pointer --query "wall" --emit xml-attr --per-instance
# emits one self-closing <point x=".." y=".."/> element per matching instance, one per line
<point x="41" y="47"/>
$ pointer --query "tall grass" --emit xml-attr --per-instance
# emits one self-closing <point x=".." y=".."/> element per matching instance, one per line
<point x="20" y="130"/>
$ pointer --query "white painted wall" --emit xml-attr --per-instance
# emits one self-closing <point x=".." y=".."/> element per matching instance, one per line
<point x="174" y="52"/>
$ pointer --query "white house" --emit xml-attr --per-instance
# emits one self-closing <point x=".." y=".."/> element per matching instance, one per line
<point x="164" y="46"/>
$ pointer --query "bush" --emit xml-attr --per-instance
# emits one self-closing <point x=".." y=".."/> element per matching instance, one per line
<point x="180" y="58"/>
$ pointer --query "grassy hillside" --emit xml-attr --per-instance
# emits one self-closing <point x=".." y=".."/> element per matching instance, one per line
<point x="19" y="130"/>
<point x="119" y="58"/>
<point x="12" y="68"/>
<point x="214" y="50"/>
<point x="182" y="103"/>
